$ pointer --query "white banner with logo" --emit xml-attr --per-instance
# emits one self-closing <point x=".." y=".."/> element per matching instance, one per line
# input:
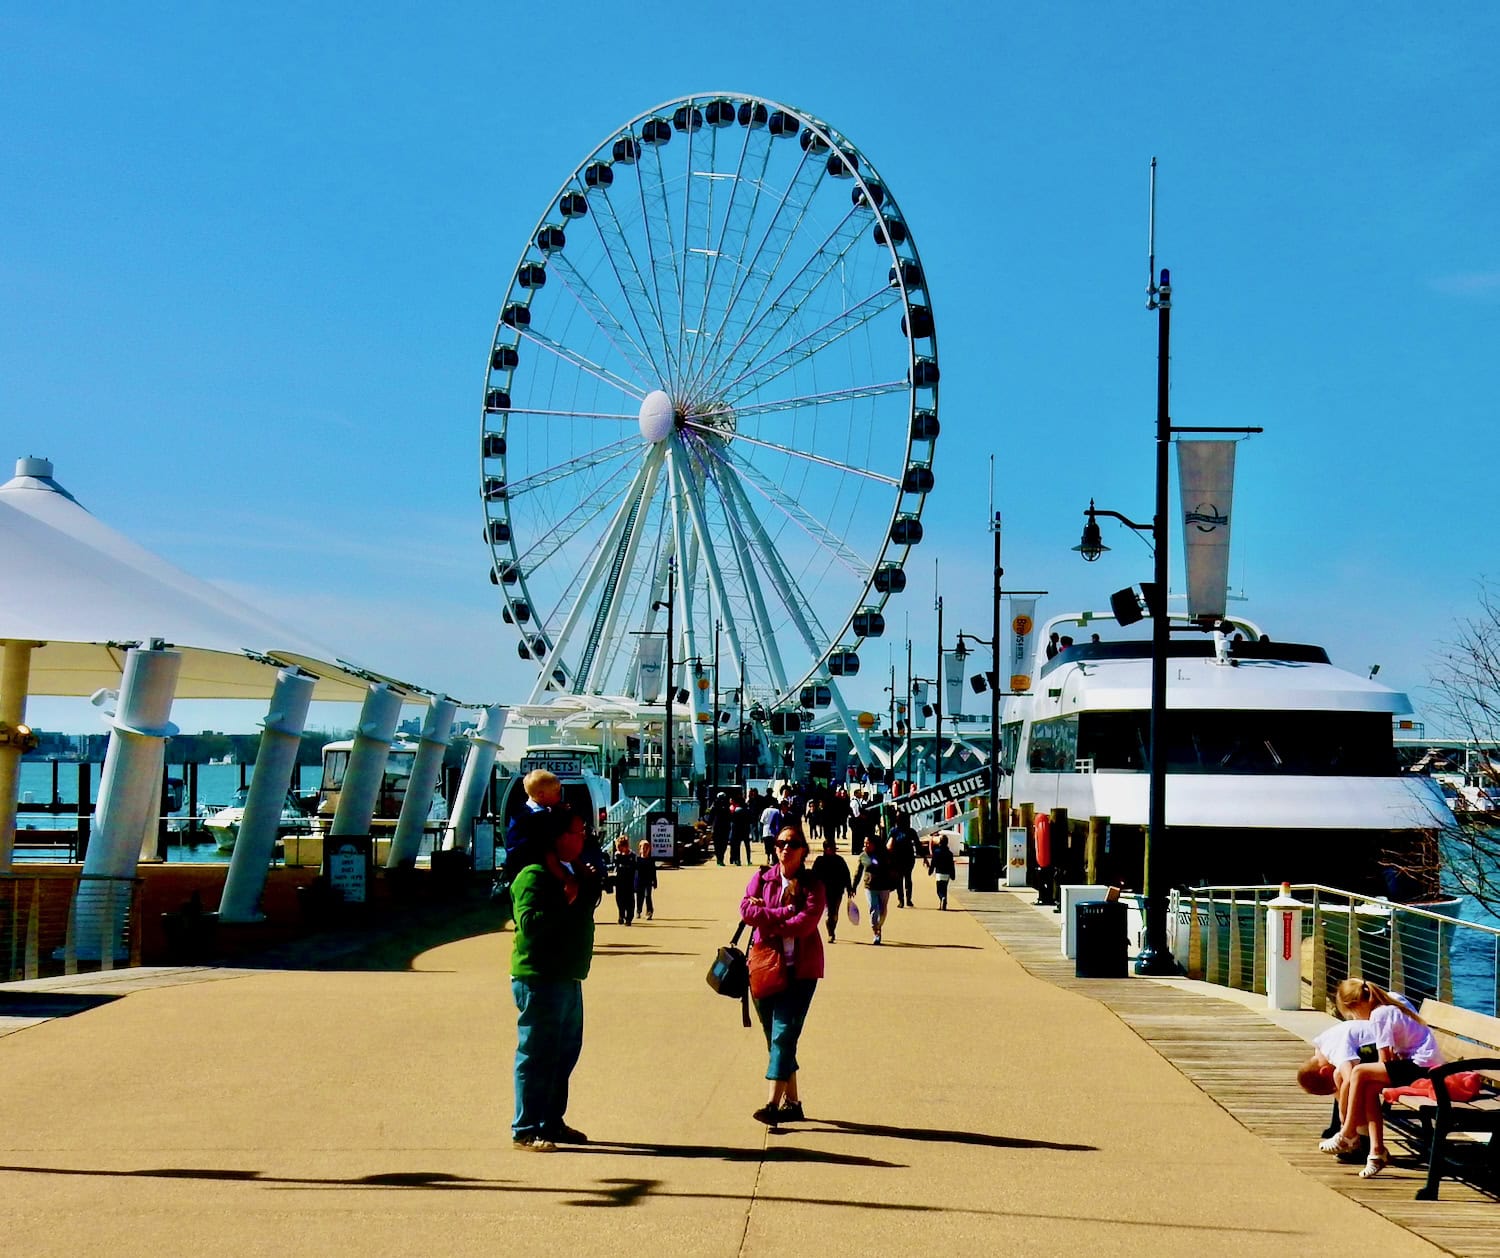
<point x="919" y="704"/>
<point x="650" y="654"/>
<point x="1205" y="475"/>
<point x="1022" y="628"/>
<point x="953" y="683"/>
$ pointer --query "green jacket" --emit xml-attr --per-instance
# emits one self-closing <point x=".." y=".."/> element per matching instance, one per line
<point x="554" y="939"/>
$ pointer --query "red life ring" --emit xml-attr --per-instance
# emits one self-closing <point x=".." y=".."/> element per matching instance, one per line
<point x="1042" y="831"/>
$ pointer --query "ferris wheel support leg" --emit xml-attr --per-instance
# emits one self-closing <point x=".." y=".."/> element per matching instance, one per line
<point x="478" y="765"/>
<point x="699" y="520"/>
<point x="266" y="798"/>
<point x="743" y="549"/>
<point x="600" y="565"/>
<point x="427" y="765"/>
<point x="607" y="649"/>
<point x="685" y="606"/>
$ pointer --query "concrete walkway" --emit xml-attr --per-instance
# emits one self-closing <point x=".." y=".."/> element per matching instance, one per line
<point x="958" y="1105"/>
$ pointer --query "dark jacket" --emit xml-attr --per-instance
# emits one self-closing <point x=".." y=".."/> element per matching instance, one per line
<point x="833" y="872"/>
<point x="624" y="875"/>
<point x="942" y="861"/>
<point x="645" y="873"/>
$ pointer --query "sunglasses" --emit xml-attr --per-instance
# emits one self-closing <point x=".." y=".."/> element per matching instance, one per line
<point x="794" y="844"/>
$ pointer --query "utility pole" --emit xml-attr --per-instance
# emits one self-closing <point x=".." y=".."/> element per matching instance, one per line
<point x="997" y="826"/>
<point x="937" y="700"/>
<point x="715" y="775"/>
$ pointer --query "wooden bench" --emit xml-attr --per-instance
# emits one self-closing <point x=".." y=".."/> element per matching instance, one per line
<point x="1470" y="1041"/>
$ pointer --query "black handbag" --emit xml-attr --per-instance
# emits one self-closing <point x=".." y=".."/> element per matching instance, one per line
<point x="729" y="974"/>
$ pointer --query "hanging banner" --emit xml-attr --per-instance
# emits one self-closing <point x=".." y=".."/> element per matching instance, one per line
<point x="919" y="704"/>
<point x="1205" y="476"/>
<point x="1022" y="627"/>
<point x="953" y="683"/>
<point x="650" y="653"/>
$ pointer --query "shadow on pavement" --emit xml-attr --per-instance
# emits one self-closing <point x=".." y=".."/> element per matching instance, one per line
<point x="729" y="1153"/>
<point x="938" y="1135"/>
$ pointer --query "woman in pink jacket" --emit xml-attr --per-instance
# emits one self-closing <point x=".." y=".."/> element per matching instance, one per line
<point x="784" y="904"/>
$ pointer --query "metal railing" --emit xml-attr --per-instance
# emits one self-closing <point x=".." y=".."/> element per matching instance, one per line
<point x="627" y="817"/>
<point x="1417" y="951"/>
<point x="64" y="922"/>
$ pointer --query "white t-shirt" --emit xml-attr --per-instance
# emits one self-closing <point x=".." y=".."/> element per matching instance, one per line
<point x="1405" y="1036"/>
<point x="1340" y="1043"/>
<point x="770" y="821"/>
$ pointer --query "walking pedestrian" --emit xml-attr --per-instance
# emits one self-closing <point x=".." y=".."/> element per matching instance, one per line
<point x="625" y="881"/>
<point x="783" y="904"/>
<point x="741" y="826"/>
<point x="718" y="820"/>
<point x="770" y="827"/>
<point x="554" y="947"/>
<point x="645" y="879"/>
<point x="831" y="870"/>
<point x="941" y="867"/>
<point x="875" y="876"/>
<point x="903" y="848"/>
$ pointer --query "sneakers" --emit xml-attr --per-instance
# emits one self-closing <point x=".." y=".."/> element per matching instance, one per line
<point x="771" y="1115"/>
<point x="791" y="1112"/>
<point x="568" y="1135"/>
<point x="533" y="1144"/>
<point x="877" y="939"/>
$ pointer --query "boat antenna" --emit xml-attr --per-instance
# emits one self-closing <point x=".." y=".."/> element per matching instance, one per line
<point x="1152" y="291"/>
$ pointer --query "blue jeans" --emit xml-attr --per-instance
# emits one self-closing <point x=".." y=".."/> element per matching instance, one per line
<point x="781" y="1018"/>
<point x="549" y="1037"/>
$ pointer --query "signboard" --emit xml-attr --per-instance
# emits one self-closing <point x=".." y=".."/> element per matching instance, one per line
<point x="346" y="864"/>
<point x="661" y="829"/>
<point x="559" y="766"/>
<point x="954" y="789"/>
<point x="1015" y="860"/>
<point x="484" y="845"/>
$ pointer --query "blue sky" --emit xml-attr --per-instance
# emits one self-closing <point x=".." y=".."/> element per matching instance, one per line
<point x="252" y="260"/>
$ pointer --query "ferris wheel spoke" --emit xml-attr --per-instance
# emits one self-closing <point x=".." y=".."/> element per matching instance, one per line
<point x="778" y="236"/>
<point x="690" y="180"/>
<point x="815" y="529"/>
<point x="770" y="558"/>
<point x="614" y="331"/>
<point x="744" y="561"/>
<point x="569" y="525"/>
<point x="662" y="254"/>
<point x="832" y="398"/>
<point x="574" y="466"/>
<point x="632" y="285"/>
<point x="759" y="374"/>
<point x="583" y="364"/>
<point x="806" y="455"/>
<point x="611" y="548"/>
<point x="775" y="315"/>
<point x="716" y="252"/>
<point x="530" y="410"/>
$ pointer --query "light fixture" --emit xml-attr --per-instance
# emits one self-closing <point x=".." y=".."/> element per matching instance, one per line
<point x="1092" y="544"/>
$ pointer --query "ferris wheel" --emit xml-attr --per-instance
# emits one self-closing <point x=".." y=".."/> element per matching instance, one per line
<point x="714" y="378"/>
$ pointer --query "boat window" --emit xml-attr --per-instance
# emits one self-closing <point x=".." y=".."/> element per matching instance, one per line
<point x="335" y="765"/>
<point x="1010" y="743"/>
<point x="1054" y="745"/>
<point x="1311" y="744"/>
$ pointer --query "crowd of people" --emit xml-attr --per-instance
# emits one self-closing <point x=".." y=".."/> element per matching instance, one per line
<point x="554" y="877"/>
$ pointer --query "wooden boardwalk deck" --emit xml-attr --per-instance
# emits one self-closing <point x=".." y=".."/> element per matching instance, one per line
<point x="1248" y="1065"/>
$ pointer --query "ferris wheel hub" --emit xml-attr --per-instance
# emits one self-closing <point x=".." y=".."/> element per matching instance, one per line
<point x="658" y="416"/>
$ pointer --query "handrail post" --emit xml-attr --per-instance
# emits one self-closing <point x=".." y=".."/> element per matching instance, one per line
<point x="1258" y="955"/>
<point x="1320" y="954"/>
<point x="1397" y="975"/>
<point x="1356" y="967"/>
<point x="1211" y="971"/>
<point x="1235" y="974"/>
<point x="1195" y="938"/>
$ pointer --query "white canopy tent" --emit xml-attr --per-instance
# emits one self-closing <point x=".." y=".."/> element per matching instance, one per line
<point x="78" y="594"/>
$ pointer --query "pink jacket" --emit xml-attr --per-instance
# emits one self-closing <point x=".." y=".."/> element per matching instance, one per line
<point x="774" y="920"/>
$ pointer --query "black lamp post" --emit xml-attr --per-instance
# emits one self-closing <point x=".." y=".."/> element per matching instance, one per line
<point x="668" y="768"/>
<point x="1156" y="956"/>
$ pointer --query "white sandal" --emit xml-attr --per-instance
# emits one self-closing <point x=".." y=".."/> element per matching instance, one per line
<point x="1338" y="1144"/>
<point x="1374" y="1164"/>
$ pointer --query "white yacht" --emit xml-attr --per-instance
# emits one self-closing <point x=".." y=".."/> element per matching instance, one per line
<point x="1280" y="766"/>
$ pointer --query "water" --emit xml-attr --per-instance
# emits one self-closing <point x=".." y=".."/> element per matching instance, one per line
<point x="217" y="784"/>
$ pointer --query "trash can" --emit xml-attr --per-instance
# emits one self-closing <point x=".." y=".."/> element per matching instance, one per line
<point x="984" y="868"/>
<point x="1101" y="939"/>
